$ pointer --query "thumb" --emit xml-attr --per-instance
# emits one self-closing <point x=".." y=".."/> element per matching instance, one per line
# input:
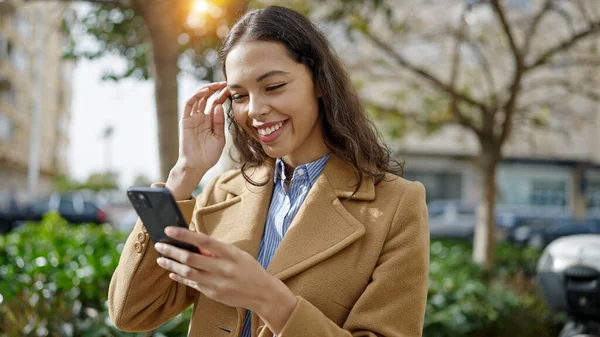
<point x="219" y="121"/>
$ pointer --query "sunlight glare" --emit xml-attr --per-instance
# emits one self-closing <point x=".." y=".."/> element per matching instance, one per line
<point x="201" y="6"/>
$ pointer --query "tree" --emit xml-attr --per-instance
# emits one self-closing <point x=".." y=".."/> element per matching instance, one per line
<point x="509" y="64"/>
<point x="94" y="182"/>
<point x="159" y="39"/>
<point x="142" y="180"/>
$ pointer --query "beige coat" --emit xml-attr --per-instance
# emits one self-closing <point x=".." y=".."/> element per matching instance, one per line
<point x="359" y="267"/>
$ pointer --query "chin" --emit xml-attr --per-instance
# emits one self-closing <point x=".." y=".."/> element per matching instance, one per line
<point x="274" y="151"/>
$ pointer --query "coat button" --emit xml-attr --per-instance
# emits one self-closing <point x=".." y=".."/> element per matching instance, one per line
<point x="141" y="237"/>
<point x="138" y="247"/>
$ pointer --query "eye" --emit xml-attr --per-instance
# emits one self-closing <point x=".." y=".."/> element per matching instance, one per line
<point x="275" y="87"/>
<point x="237" y="97"/>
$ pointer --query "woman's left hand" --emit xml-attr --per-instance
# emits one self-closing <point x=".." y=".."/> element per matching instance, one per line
<point x="228" y="275"/>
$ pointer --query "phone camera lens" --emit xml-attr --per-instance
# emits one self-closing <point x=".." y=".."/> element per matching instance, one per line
<point x="141" y="197"/>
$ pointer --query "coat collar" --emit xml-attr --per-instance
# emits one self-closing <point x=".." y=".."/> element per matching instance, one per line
<point x="321" y="228"/>
<point x="339" y="175"/>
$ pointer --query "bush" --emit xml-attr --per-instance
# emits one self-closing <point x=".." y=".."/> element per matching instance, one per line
<point x="460" y="303"/>
<point x="54" y="281"/>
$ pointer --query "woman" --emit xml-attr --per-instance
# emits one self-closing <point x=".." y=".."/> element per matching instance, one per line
<point x="315" y="235"/>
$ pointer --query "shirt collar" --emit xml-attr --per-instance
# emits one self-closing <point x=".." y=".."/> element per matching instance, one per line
<point x="310" y="171"/>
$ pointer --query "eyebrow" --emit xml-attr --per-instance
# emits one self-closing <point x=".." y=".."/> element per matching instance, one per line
<point x="262" y="77"/>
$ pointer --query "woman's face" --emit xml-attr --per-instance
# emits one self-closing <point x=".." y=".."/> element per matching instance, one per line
<point x="275" y="101"/>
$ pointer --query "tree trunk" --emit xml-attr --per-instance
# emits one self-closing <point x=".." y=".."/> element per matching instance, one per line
<point x="484" y="241"/>
<point x="165" y="55"/>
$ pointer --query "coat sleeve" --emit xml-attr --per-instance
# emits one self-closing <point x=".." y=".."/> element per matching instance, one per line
<point x="141" y="296"/>
<point x="393" y="304"/>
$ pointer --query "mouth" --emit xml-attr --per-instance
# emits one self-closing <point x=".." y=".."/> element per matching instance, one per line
<point x="270" y="133"/>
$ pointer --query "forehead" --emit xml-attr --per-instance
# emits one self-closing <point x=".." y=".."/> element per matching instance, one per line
<point x="252" y="59"/>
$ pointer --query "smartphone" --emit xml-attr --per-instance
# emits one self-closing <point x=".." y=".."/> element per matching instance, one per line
<point x="157" y="209"/>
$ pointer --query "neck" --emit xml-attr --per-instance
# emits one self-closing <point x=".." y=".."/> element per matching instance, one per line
<point x="293" y="161"/>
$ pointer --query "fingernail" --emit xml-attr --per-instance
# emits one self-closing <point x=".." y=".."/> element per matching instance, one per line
<point x="159" y="246"/>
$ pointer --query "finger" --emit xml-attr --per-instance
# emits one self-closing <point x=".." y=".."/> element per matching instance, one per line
<point x="205" y="91"/>
<point x="179" y="268"/>
<point x="215" y="99"/>
<point x="189" y="105"/>
<point x="201" y="240"/>
<point x="184" y="281"/>
<point x="219" y="121"/>
<point x="214" y="85"/>
<point x="201" y="105"/>
<point x="205" y="287"/>
<point x="222" y="96"/>
<point x="209" y="110"/>
<point x="189" y="114"/>
<point x="183" y="256"/>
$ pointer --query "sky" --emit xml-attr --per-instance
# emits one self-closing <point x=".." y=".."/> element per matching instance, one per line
<point x="129" y="107"/>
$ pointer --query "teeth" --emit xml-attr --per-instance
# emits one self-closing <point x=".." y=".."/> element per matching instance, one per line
<point x="270" y="130"/>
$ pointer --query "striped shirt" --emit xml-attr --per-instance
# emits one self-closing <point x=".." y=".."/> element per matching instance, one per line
<point x="284" y="206"/>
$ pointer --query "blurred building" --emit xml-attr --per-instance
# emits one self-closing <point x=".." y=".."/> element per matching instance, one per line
<point x="551" y="171"/>
<point x="32" y="76"/>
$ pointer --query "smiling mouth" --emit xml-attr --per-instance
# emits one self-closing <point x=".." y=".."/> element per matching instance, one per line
<point x="269" y="130"/>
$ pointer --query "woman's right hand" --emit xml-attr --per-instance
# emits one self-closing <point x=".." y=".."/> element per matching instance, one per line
<point x="202" y="128"/>
<point x="201" y="139"/>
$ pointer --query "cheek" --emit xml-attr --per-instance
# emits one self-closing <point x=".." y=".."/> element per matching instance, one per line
<point x="238" y="114"/>
<point x="241" y="117"/>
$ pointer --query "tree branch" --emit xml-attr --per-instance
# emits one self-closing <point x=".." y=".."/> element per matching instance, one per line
<point x="570" y="90"/>
<point x="544" y="102"/>
<point x="583" y="10"/>
<point x="578" y="62"/>
<point x="487" y="73"/>
<point x="508" y="33"/>
<point x="390" y="111"/>
<point x="418" y="117"/>
<point x="534" y="25"/>
<point x="422" y="72"/>
<point x="568" y="19"/>
<point x="593" y="28"/>
<point x="509" y="107"/>
<point x="560" y="82"/>
<point x="459" y="37"/>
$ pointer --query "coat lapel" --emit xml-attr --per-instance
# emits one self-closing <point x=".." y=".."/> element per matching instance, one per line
<point x="322" y="226"/>
<point x="242" y="225"/>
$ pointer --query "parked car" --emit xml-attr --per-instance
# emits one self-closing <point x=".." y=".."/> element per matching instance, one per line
<point x="11" y="211"/>
<point x="456" y="218"/>
<point x="538" y="233"/>
<point x="73" y="207"/>
<point x="453" y="219"/>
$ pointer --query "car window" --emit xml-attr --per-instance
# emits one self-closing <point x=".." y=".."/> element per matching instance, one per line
<point x="466" y="210"/>
<point x="435" y="213"/>
<point x="435" y="209"/>
<point x="66" y="206"/>
<point x="40" y="207"/>
<point x="89" y="208"/>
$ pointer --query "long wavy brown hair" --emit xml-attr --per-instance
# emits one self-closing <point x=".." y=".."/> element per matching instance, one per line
<point x="347" y="131"/>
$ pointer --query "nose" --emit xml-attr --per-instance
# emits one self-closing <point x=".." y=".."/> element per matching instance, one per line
<point x="257" y="108"/>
